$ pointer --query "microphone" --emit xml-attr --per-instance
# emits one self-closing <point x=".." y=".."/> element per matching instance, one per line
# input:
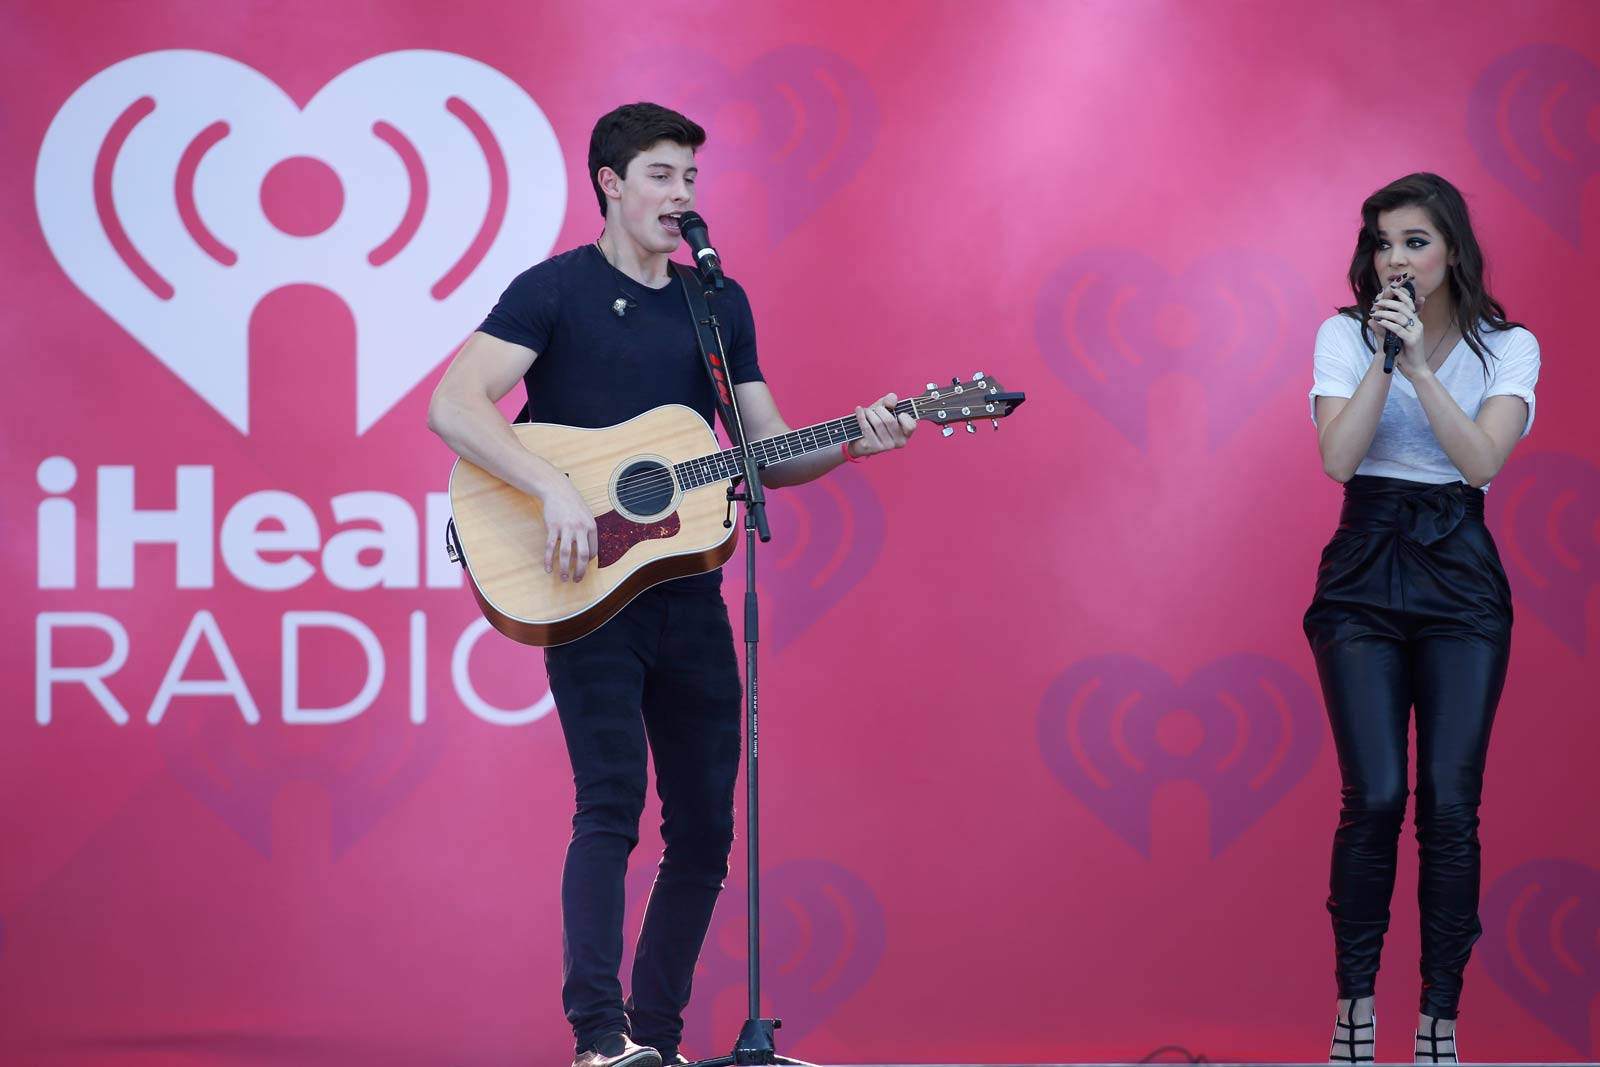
<point x="693" y="228"/>
<point x="1391" y="340"/>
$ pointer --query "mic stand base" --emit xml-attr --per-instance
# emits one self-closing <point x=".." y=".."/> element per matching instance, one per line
<point x="754" y="1046"/>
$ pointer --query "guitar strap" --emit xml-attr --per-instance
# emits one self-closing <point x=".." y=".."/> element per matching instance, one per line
<point x="721" y="389"/>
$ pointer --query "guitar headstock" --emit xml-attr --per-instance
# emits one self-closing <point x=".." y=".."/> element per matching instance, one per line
<point x="966" y="402"/>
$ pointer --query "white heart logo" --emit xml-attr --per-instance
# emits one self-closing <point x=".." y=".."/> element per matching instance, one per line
<point x="155" y="191"/>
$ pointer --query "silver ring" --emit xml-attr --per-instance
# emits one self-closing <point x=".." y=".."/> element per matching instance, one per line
<point x="1409" y="322"/>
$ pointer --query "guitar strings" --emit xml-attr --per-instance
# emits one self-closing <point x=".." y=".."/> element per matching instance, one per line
<point x="711" y="468"/>
<point x="652" y="482"/>
<point x="630" y="489"/>
<point x="768" y="451"/>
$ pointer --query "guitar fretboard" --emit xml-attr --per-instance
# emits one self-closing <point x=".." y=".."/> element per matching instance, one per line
<point x="721" y="466"/>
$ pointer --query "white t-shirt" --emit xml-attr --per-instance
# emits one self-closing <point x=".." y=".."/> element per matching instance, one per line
<point x="1404" y="446"/>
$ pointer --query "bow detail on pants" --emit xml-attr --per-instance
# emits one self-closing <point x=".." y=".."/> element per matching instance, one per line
<point x="1433" y="514"/>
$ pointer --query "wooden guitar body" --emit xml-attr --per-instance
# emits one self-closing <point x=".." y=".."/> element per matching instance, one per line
<point x="650" y="529"/>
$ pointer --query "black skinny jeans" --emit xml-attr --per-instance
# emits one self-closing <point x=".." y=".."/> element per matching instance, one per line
<point x="1412" y="608"/>
<point x="661" y="674"/>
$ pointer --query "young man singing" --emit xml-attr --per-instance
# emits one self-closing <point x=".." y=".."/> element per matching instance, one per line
<point x="600" y="334"/>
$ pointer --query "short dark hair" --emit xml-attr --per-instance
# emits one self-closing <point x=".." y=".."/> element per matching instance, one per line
<point x="1475" y="306"/>
<point x="630" y="129"/>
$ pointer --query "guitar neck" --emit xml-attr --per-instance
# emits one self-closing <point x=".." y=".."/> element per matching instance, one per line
<point x="721" y="466"/>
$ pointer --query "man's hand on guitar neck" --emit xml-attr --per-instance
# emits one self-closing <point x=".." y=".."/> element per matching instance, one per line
<point x="881" y="429"/>
<point x="880" y="432"/>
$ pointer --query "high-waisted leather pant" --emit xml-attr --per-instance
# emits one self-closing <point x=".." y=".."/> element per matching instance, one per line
<point x="1412" y="608"/>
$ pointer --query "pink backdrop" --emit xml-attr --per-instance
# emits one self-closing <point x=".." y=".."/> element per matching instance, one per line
<point x="1046" y="768"/>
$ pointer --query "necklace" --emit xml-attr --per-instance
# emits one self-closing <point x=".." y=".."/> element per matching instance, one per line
<point x="1434" y="351"/>
<point x="619" y="306"/>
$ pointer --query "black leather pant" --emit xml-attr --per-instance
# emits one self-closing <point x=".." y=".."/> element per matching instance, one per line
<point x="658" y="679"/>
<point x="1412" y="609"/>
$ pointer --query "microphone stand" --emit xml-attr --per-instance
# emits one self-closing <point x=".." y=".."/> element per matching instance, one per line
<point x="755" y="1044"/>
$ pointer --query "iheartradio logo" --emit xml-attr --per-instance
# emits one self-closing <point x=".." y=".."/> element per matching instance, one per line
<point x="833" y="532"/>
<point x="1546" y="513"/>
<point x="1114" y="730"/>
<point x="1542" y="944"/>
<point x="178" y="188"/>
<point x="1113" y="323"/>
<point x="1532" y="118"/>
<point x="788" y="131"/>
<point x="824" y="933"/>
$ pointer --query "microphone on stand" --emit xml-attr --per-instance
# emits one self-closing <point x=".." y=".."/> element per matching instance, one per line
<point x="693" y="228"/>
<point x="1391" y="340"/>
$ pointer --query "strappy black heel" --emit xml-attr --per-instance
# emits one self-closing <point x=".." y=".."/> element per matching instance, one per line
<point x="1353" y="1042"/>
<point x="1433" y="1039"/>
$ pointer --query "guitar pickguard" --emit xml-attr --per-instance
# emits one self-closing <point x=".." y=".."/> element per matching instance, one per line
<point x="617" y="533"/>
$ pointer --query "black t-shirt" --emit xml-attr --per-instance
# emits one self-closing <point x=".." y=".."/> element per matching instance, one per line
<point x="596" y="368"/>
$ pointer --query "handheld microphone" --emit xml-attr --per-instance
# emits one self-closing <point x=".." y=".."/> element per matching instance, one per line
<point x="1391" y="340"/>
<point x="693" y="228"/>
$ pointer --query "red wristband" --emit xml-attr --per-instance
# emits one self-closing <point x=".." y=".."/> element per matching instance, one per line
<point x="845" y="448"/>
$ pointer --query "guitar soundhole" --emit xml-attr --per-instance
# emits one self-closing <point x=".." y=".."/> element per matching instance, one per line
<point x="645" y="489"/>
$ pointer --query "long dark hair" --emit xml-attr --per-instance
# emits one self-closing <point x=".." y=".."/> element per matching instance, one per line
<point x="1474" y="306"/>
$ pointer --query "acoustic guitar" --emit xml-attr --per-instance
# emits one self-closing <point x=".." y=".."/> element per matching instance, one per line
<point x="657" y="485"/>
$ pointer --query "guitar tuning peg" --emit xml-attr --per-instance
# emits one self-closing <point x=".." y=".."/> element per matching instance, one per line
<point x="946" y="431"/>
<point x="978" y="377"/>
<point x="955" y="381"/>
<point x="932" y="388"/>
<point x="971" y="428"/>
<point x="996" y="423"/>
